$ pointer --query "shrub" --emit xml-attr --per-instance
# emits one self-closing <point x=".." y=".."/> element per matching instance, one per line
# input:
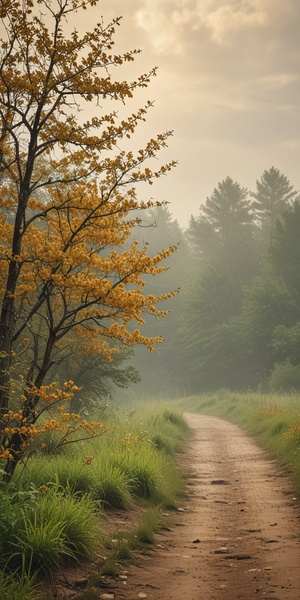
<point x="285" y="377"/>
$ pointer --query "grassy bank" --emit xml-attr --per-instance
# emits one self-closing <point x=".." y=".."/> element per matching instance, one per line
<point x="273" y="419"/>
<point x="57" y="509"/>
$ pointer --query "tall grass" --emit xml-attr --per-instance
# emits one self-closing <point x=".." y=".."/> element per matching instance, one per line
<point x="16" y="586"/>
<point x="53" y="529"/>
<point x="128" y="463"/>
<point x="50" y="513"/>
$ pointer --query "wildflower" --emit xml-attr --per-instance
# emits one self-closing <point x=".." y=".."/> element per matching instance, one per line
<point x="270" y="412"/>
<point x="5" y="455"/>
<point x="292" y="434"/>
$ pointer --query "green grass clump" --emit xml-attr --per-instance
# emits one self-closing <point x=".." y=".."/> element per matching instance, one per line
<point x="56" y="527"/>
<point x="148" y="525"/>
<point x="143" y="473"/>
<point x="67" y="471"/>
<point x="175" y="418"/>
<point x="122" y="550"/>
<point x="39" y="543"/>
<point x="79" y="517"/>
<point x="112" y="486"/>
<point x="99" y="477"/>
<point x="166" y="430"/>
<point x="110" y="568"/>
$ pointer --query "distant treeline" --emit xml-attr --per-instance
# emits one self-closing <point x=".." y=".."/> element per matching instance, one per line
<point x="236" y="320"/>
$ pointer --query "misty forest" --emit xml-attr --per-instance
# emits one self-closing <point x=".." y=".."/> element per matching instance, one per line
<point x="235" y="322"/>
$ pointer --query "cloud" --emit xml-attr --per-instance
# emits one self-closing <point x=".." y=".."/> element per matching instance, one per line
<point x="228" y="19"/>
<point x="168" y="22"/>
<point x="164" y="24"/>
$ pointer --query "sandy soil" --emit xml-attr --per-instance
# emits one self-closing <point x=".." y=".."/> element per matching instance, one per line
<point x="237" y="535"/>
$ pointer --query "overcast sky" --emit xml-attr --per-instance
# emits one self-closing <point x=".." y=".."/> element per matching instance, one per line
<point x="227" y="84"/>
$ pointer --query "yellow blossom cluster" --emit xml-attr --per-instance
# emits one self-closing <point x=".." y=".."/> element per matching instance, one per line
<point x="5" y="455"/>
<point x="292" y="434"/>
<point x="130" y="440"/>
<point x="64" y="258"/>
<point x="51" y="425"/>
<point x="88" y="460"/>
<point x="120" y="332"/>
<point x="50" y="394"/>
<point x="270" y="412"/>
<point x="92" y="428"/>
<point x="94" y="344"/>
<point x="14" y="423"/>
<point x="65" y="422"/>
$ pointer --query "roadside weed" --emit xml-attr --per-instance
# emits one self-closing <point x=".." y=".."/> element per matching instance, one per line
<point x="149" y="524"/>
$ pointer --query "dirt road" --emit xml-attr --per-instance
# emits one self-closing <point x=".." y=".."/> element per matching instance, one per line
<point x="237" y="535"/>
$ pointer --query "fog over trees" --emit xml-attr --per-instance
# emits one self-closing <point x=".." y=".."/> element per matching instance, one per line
<point x="236" y="320"/>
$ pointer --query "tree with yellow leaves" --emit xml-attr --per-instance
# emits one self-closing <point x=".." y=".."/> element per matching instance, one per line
<point x="68" y="189"/>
